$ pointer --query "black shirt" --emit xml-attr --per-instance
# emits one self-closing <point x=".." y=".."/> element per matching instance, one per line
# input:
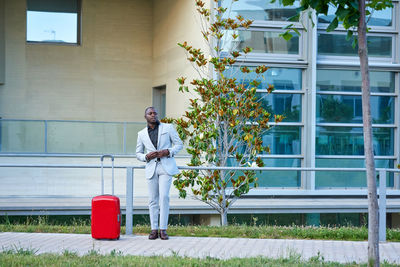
<point x="153" y="134"/>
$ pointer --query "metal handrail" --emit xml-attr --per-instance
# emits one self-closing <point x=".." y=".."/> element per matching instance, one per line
<point x="195" y="167"/>
<point x="130" y="176"/>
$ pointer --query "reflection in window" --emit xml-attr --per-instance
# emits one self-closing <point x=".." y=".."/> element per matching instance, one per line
<point x="283" y="140"/>
<point x="276" y="178"/>
<point x="260" y="10"/>
<point x="349" y="141"/>
<point x="288" y="105"/>
<point x="280" y="178"/>
<point x="348" y="109"/>
<point x="53" y="21"/>
<point x="282" y="79"/>
<point x="377" y="17"/>
<point x="328" y="179"/>
<point x="262" y="42"/>
<point x="337" y="45"/>
<point x="350" y="81"/>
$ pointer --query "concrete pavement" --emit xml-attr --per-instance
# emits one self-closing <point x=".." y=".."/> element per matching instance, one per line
<point x="222" y="248"/>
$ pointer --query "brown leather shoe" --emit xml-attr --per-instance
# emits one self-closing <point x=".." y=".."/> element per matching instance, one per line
<point x="163" y="235"/>
<point x="153" y="235"/>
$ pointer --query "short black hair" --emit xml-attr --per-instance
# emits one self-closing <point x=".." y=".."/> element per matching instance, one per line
<point x="145" y="111"/>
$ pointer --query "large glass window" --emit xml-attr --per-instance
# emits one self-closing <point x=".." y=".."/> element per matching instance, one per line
<point x="348" y="109"/>
<point x="350" y="81"/>
<point x="261" y="10"/>
<point x="284" y="140"/>
<point x="281" y="78"/>
<point x="268" y="42"/>
<point x="280" y="178"/>
<point x="288" y="105"/>
<point x="53" y="21"/>
<point x="276" y="178"/>
<point x="337" y="45"/>
<point x="335" y="140"/>
<point x="339" y="128"/>
<point x="376" y="18"/>
<point x="343" y="179"/>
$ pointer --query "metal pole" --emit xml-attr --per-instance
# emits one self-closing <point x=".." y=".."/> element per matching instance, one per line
<point x="382" y="206"/>
<point x="124" y="139"/>
<point x="129" y="201"/>
<point x="45" y="136"/>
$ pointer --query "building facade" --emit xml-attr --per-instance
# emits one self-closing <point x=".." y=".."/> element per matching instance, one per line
<point x="86" y="95"/>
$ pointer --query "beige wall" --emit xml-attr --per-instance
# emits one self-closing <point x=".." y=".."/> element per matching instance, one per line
<point x="174" y="21"/>
<point x="128" y="47"/>
<point x="2" y="43"/>
<point x="107" y="78"/>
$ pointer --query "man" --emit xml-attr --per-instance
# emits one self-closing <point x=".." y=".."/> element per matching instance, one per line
<point x="162" y="143"/>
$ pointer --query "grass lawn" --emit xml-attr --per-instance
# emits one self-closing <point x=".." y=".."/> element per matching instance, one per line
<point x="28" y="258"/>
<point x="22" y="257"/>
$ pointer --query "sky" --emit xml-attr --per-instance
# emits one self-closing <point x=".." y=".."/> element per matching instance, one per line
<point x="51" y="26"/>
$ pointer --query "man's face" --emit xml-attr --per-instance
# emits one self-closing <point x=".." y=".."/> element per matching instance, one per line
<point x="151" y="116"/>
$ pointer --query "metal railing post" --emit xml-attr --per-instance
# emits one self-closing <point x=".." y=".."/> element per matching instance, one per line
<point x="45" y="136"/>
<point x="129" y="201"/>
<point x="382" y="206"/>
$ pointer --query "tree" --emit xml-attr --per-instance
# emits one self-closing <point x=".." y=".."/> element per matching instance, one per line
<point x="225" y="121"/>
<point x="352" y="14"/>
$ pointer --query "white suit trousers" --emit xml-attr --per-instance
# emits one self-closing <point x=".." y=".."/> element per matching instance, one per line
<point x="159" y="186"/>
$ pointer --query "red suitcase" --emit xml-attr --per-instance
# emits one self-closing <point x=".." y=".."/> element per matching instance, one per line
<point x="106" y="212"/>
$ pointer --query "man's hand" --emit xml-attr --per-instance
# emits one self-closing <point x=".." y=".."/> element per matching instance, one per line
<point x="157" y="154"/>
<point x="163" y="153"/>
<point x="152" y="155"/>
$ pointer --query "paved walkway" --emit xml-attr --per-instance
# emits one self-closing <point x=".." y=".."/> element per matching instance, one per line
<point x="223" y="248"/>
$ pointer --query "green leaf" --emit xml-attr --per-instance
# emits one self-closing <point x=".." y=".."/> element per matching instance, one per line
<point x="286" y="35"/>
<point x="296" y="31"/>
<point x="341" y="12"/>
<point x="354" y="43"/>
<point x="354" y="4"/>
<point x="287" y="2"/>
<point x="294" y="18"/>
<point x="333" y="25"/>
<point x="288" y="26"/>
<point x="349" y="35"/>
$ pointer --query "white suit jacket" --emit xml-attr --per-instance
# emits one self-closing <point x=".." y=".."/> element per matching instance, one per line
<point x="169" y="139"/>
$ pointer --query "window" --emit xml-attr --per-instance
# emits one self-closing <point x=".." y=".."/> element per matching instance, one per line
<point x="285" y="60"/>
<point x="339" y="133"/>
<point x="159" y="100"/>
<point x="381" y="18"/>
<point x="337" y="45"/>
<point x="345" y="140"/>
<point x="350" y="81"/>
<point x="261" y="10"/>
<point x="343" y="179"/>
<point x="284" y="139"/>
<point x="268" y="42"/>
<point x="348" y="109"/>
<point x="264" y="35"/>
<point x="53" y="21"/>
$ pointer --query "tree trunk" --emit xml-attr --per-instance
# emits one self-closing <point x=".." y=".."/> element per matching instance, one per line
<point x="224" y="218"/>
<point x="373" y="223"/>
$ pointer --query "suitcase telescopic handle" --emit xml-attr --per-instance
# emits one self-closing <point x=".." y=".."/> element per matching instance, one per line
<point x="102" y="172"/>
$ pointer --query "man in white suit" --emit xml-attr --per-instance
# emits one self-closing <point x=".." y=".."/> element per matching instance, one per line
<point x="162" y="143"/>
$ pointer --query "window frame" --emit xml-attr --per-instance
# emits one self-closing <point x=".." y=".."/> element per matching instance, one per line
<point x="355" y="58"/>
<point x="78" y="30"/>
<point x="389" y="29"/>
